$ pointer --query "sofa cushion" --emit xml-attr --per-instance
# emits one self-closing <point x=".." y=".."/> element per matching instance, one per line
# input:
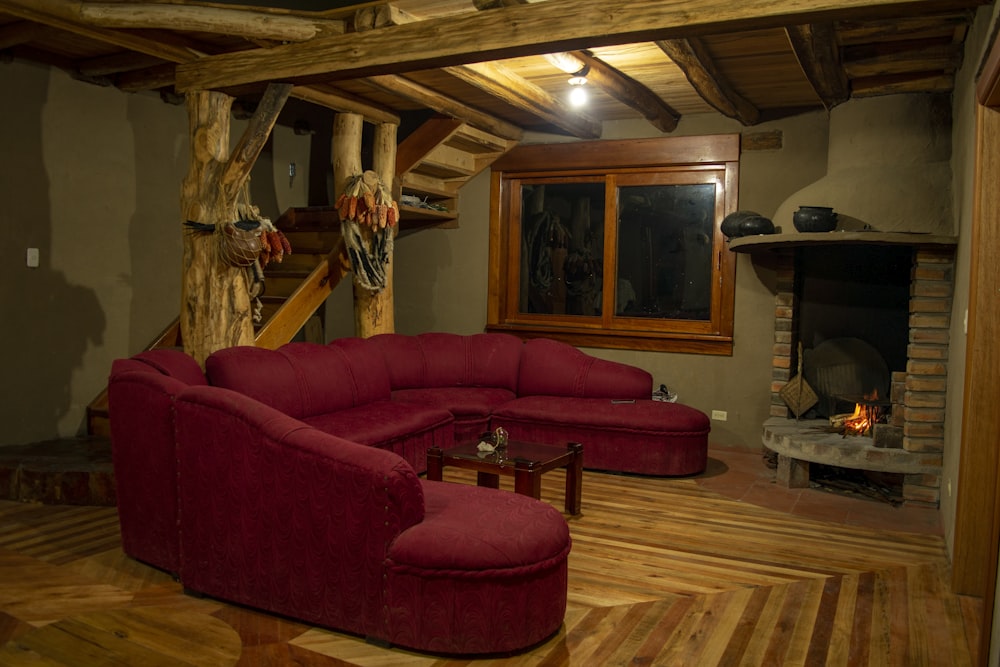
<point x="433" y="360"/>
<point x="552" y="368"/>
<point x="379" y="422"/>
<point x="300" y="379"/>
<point x="406" y="429"/>
<point x="463" y="402"/>
<point x="458" y="535"/>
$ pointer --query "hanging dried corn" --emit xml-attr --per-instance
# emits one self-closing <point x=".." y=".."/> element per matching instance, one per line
<point x="367" y="216"/>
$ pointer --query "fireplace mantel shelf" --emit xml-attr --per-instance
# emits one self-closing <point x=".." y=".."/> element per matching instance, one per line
<point x="760" y="242"/>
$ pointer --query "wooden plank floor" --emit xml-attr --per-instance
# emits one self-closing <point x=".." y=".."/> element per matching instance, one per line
<point x="662" y="572"/>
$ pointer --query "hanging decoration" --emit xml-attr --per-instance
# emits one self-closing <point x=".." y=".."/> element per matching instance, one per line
<point x="251" y="243"/>
<point x="367" y="217"/>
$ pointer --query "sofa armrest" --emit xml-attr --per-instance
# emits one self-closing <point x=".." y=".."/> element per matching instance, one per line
<point x="280" y="516"/>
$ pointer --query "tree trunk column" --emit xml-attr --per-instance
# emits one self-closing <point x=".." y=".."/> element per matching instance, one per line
<point x="373" y="310"/>
<point x="215" y="304"/>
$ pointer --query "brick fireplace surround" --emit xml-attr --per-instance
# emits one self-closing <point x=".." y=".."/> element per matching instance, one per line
<point x="917" y="394"/>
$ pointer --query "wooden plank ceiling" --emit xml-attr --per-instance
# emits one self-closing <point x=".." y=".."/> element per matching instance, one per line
<point x="505" y="64"/>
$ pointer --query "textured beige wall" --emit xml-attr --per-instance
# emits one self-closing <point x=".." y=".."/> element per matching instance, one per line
<point x="91" y="178"/>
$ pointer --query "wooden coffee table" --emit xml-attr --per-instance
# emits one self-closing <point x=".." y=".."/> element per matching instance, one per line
<point x="526" y="461"/>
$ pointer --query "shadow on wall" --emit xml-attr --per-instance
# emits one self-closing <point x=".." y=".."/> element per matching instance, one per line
<point x="155" y="236"/>
<point x="48" y="323"/>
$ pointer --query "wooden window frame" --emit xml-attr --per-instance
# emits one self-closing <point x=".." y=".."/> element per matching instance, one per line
<point x="667" y="159"/>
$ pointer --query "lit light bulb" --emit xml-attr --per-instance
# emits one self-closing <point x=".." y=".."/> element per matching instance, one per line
<point x="578" y="94"/>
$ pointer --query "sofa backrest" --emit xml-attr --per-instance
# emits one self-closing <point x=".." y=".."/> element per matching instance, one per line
<point x="301" y="380"/>
<point x="553" y="368"/>
<point x="438" y="359"/>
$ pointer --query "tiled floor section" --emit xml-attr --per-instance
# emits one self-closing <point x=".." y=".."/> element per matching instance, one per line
<point x="743" y="475"/>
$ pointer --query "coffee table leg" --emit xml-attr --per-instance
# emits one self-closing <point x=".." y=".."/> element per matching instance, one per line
<point x="488" y="479"/>
<point x="527" y="480"/>
<point x="435" y="463"/>
<point x="574" y="479"/>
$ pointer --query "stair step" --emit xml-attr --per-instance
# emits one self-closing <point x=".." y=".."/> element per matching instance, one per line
<point x="446" y="162"/>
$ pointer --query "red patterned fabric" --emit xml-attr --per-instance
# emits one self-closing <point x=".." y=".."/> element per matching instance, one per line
<point x="435" y="360"/>
<point x="552" y="368"/>
<point x="646" y="437"/>
<point x="498" y="585"/>
<point x="283" y="517"/>
<point x="140" y="405"/>
<point x="175" y="363"/>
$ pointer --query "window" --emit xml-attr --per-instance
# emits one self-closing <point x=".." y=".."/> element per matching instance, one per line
<point x="616" y="243"/>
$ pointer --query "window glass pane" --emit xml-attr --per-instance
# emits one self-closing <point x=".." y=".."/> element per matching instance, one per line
<point x="562" y="238"/>
<point x="665" y="235"/>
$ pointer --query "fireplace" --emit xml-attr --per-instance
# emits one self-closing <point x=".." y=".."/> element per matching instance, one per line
<point x="893" y="294"/>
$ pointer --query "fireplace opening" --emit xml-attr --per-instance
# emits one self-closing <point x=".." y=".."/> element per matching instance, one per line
<point x="853" y="321"/>
<point x="887" y="299"/>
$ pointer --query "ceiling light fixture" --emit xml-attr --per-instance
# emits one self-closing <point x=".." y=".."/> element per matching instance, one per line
<point x="577" y="93"/>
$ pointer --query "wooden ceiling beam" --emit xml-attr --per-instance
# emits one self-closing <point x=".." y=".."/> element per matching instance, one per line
<point x="523" y="30"/>
<point x="423" y="95"/>
<point x="628" y="91"/>
<point x="20" y="32"/>
<point x="495" y="79"/>
<point x="515" y="90"/>
<point x="60" y="14"/>
<point x="115" y="63"/>
<point x="815" y="47"/>
<point x="600" y="74"/>
<point x="943" y="57"/>
<point x="246" y="23"/>
<point x="699" y="67"/>
<point x="340" y="102"/>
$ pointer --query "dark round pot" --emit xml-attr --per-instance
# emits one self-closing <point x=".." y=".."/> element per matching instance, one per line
<point x="814" y="219"/>
<point x="746" y="223"/>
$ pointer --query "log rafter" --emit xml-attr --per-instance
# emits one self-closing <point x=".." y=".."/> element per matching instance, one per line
<point x="699" y="67"/>
<point x="246" y="23"/>
<point x="504" y="84"/>
<point x="432" y="100"/>
<point x="600" y="74"/>
<point x="495" y="80"/>
<point x="523" y="30"/>
<point x="815" y="47"/>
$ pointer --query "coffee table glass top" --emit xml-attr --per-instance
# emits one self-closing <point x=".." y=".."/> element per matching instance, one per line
<point x="516" y="451"/>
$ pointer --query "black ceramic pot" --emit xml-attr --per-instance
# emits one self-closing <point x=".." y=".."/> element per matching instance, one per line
<point x="746" y="223"/>
<point x="814" y="219"/>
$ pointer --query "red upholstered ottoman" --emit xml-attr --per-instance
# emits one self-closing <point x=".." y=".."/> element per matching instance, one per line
<point x="467" y="581"/>
<point x="637" y="436"/>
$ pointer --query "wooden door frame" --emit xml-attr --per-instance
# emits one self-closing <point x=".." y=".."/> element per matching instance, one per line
<point x="977" y="520"/>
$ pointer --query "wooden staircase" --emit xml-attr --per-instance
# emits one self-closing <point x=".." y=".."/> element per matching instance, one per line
<point x="433" y="162"/>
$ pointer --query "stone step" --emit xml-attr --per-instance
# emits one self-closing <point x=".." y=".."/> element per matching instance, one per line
<point x="74" y="471"/>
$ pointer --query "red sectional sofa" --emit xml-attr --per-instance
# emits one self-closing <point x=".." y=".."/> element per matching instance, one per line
<point x="288" y="479"/>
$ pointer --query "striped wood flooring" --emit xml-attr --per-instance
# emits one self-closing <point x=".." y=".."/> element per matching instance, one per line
<point x="662" y="572"/>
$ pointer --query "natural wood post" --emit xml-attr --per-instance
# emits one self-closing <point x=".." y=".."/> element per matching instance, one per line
<point x="374" y="310"/>
<point x="345" y="154"/>
<point x="215" y="303"/>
